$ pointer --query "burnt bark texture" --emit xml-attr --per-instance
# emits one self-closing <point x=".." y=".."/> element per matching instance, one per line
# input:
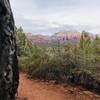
<point x="9" y="73"/>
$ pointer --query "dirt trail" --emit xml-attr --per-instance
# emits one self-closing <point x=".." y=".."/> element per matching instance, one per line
<point x="37" y="90"/>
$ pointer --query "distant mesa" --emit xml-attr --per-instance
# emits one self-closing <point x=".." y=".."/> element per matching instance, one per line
<point x="62" y="37"/>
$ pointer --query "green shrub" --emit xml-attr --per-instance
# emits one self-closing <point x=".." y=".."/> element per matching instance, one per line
<point x="78" y="63"/>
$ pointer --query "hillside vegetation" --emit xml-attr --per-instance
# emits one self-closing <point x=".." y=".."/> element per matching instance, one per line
<point x="75" y="63"/>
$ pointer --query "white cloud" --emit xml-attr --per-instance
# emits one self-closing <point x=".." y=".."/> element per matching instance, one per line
<point x="32" y="15"/>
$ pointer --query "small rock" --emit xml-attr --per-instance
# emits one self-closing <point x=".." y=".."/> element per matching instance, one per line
<point x="71" y="90"/>
<point x="88" y="93"/>
<point x="97" y="96"/>
<point x="65" y="91"/>
<point x="80" y="93"/>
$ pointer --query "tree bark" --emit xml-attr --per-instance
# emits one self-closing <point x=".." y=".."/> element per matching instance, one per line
<point x="9" y="73"/>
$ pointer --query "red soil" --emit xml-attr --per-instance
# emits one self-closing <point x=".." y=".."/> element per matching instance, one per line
<point x="30" y="89"/>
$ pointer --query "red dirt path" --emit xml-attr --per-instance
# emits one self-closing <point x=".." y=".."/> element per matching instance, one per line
<point x="37" y="90"/>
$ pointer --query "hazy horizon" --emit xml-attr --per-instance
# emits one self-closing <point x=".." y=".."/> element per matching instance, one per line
<point x="52" y="16"/>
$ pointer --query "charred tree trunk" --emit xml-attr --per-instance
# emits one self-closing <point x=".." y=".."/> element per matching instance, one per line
<point x="9" y="74"/>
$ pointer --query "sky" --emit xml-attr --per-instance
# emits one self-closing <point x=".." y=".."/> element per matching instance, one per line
<point x="51" y="16"/>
